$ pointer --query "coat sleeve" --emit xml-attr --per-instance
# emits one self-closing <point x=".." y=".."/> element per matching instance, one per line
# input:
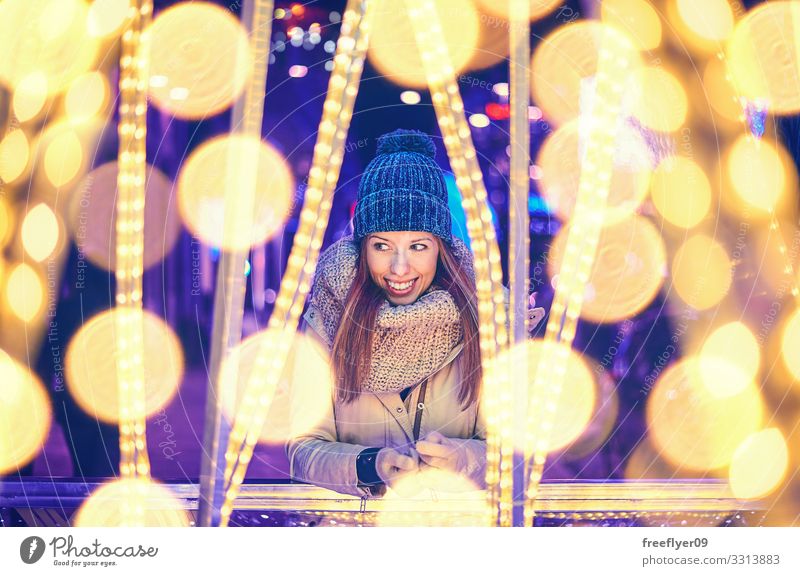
<point x="314" y="452"/>
<point x="474" y="464"/>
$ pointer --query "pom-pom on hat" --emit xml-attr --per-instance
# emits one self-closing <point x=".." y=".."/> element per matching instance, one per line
<point x="403" y="188"/>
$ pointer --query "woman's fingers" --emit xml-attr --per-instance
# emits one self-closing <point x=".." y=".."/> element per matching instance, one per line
<point x="435" y="437"/>
<point x="428" y="448"/>
<point x="435" y="462"/>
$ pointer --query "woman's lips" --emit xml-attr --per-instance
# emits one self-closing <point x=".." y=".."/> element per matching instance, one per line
<point x="400" y="292"/>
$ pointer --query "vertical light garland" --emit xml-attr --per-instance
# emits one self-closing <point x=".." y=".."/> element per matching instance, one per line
<point x="614" y="63"/>
<point x="491" y="307"/>
<point x="240" y="192"/>
<point x="133" y="85"/>
<point x="296" y="283"/>
<point x="519" y="236"/>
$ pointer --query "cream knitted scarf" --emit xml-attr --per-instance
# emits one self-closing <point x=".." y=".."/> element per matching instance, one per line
<point x="411" y="341"/>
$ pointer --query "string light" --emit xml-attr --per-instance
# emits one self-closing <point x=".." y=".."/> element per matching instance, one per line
<point x="134" y="73"/>
<point x="296" y="282"/>
<point x="614" y="61"/>
<point x="488" y="273"/>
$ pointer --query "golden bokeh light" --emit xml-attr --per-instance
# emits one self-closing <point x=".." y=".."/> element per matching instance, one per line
<point x="790" y="344"/>
<point x="565" y="62"/>
<point x="6" y="222"/>
<point x="45" y="36"/>
<point x="91" y="363"/>
<point x="502" y="8"/>
<point x="200" y="60"/>
<point x="658" y="99"/>
<point x="393" y="46"/>
<point x="24" y="292"/>
<point x="433" y="497"/>
<point x="493" y="46"/>
<point x="759" y="464"/>
<point x="701" y="272"/>
<point x="560" y="160"/>
<point x="14" y="155"/>
<point x="692" y="427"/>
<point x="764" y="56"/>
<point x="680" y="191"/>
<point x="577" y="401"/>
<point x="719" y="91"/>
<point x="91" y="216"/>
<point x="729" y="360"/>
<point x="756" y="172"/>
<point x="604" y="418"/>
<point x="202" y="184"/>
<point x="40" y="232"/>
<point x="132" y="502"/>
<point x="628" y="270"/>
<point x="86" y="97"/>
<point x="710" y="20"/>
<point x="636" y="18"/>
<point x="25" y="415"/>
<point x="306" y="382"/>
<point x="30" y="96"/>
<point x="106" y="17"/>
<point x="63" y="155"/>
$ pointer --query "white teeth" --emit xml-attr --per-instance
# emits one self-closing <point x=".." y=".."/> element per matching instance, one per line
<point x="400" y="287"/>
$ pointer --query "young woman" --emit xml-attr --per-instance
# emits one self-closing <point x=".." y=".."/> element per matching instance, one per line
<point x="395" y="306"/>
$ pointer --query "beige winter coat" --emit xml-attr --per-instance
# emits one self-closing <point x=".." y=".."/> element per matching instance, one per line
<point x="325" y="452"/>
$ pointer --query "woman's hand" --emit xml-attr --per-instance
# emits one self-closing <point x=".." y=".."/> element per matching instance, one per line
<point x="441" y="452"/>
<point x="392" y="465"/>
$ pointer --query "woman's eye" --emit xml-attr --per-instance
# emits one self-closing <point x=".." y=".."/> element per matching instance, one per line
<point x="380" y="246"/>
<point x="419" y="247"/>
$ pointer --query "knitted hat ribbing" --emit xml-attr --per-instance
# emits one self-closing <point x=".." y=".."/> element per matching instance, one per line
<point x="402" y="188"/>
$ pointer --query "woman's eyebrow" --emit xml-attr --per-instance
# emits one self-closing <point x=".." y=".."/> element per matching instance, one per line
<point x="374" y="236"/>
<point x="422" y="239"/>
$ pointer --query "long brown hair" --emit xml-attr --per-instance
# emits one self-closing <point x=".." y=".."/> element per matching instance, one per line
<point x="352" y="346"/>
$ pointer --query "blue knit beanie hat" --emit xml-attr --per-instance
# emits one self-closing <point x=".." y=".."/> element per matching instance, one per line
<point x="403" y="189"/>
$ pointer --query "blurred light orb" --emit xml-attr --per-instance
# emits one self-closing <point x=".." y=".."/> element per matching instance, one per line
<point x="680" y="191"/>
<point x="658" y="99"/>
<point x="710" y="19"/>
<point x="63" y="155"/>
<point x="87" y="96"/>
<point x="790" y="344"/>
<point x="393" y="45"/>
<point x="410" y="97"/>
<point x="306" y="375"/>
<point x="30" y="96"/>
<point x="479" y="120"/>
<point x="200" y="60"/>
<point x="132" y="502"/>
<point x="756" y="172"/>
<point x="6" y="221"/>
<point x="701" y="272"/>
<point x="567" y="59"/>
<point x="627" y="272"/>
<point x="502" y="8"/>
<point x="759" y="464"/>
<point x="493" y="39"/>
<point x="719" y="92"/>
<point x="560" y="159"/>
<point x="694" y="428"/>
<point x="24" y="292"/>
<point x="92" y="216"/>
<point x="764" y="54"/>
<point x="40" y="232"/>
<point x="636" y="18"/>
<point x="604" y="418"/>
<point x="106" y="17"/>
<point x="576" y="403"/>
<point x="433" y="497"/>
<point x="48" y="37"/>
<point x="729" y="360"/>
<point x="14" y="155"/>
<point x="25" y="415"/>
<point x="202" y="183"/>
<point x="91" y="363"/>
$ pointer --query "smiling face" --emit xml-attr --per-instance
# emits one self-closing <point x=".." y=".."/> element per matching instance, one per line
<point x="402" y="264"/>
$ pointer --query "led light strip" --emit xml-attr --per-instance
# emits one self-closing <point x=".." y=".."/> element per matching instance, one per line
<point x="488" y="273"/>
<point x="240" y="192"/>
<point x="132" y="129"/>
<point x="580" y="252"/>
<point x="328" y="155"/>
<point x="519" y="236"/>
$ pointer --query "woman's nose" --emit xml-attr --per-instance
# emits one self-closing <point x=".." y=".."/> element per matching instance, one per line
<point x="399" y="264"/>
